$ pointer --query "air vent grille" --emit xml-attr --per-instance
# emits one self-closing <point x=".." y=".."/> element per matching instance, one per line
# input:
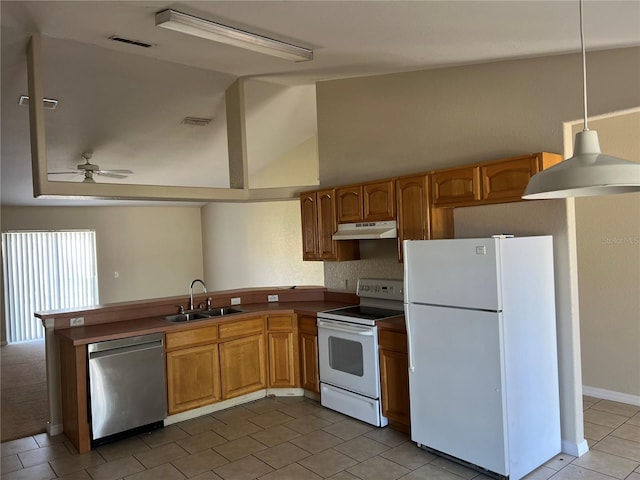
<point x="138" y="43"/>
<point x="195" y="121"/>
<point x="49" y="103"/>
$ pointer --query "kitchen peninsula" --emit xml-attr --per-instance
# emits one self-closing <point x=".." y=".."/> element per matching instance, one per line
<point x="276" y="340"/>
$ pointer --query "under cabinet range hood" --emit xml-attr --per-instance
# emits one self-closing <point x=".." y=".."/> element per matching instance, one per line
<point x="366" y="230"/>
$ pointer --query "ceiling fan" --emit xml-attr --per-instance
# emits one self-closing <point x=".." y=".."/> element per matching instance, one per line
<point x="89" y="169"/>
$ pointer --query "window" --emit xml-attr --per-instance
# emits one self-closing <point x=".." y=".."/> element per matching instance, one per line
<point x="46" y="271"/>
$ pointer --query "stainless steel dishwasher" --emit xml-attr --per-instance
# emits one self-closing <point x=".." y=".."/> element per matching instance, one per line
<point x="126" y="385"/>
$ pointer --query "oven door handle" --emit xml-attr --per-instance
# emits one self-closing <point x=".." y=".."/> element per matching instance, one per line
<point x="344" y="328"/>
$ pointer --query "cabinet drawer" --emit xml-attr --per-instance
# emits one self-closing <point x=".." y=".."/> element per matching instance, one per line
<point x="395" y="341"/>
<point x="241" y="328"/>
<point x="195" y="336"/>
<point x="308" y="325"/>
<point x="281" y="323"/>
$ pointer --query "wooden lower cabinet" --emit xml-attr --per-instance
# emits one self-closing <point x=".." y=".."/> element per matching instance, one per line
<point x="193" y="378"/>
<point x="308" y="341"/>
<point x="394" y="377"/>
<point x="193" y="368"/>
<point x="242" y="366"/>
<point x="282" y="351"/>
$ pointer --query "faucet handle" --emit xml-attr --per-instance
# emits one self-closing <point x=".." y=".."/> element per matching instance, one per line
<point x="209" y="303"/>
<point x="180" y="309"/>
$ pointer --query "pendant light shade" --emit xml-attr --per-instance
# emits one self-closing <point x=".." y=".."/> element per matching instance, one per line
<point x="589" y="172"/>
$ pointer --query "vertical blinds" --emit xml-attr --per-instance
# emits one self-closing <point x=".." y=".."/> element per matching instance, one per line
<point x="46" y="271"/>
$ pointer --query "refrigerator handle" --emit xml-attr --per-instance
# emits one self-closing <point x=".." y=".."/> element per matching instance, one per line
<point x="409" y="349"/>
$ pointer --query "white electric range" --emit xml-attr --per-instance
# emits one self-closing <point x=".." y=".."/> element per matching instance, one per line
<point x="348" y="350"/>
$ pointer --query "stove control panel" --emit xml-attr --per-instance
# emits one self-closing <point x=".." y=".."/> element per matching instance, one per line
<point x="380" y="288"/>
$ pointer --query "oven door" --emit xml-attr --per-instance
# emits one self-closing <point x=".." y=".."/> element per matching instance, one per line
<point x="348" y="355"/>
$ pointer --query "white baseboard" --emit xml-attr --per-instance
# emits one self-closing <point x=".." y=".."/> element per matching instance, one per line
<point x="574" y="449"/>
<point x="611" y="395"/>
<point x="54" y="430"/>
<point x="232" y="402"/>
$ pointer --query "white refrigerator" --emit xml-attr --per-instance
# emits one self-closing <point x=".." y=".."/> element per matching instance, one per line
<point x="483" y="368"/>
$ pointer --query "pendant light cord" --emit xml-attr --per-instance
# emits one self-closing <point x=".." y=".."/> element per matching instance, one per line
<point x="584" y="70"/>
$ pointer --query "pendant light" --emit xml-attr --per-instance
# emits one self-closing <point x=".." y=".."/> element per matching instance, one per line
<point x="588" y="172"/>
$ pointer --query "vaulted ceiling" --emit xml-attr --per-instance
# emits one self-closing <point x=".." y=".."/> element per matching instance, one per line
<point x="125" y="102"/>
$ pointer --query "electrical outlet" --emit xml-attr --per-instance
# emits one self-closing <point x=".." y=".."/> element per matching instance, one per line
<point x="235" y="301"/>
<point x="272" y="298"/>
<point x="77" y="321"/>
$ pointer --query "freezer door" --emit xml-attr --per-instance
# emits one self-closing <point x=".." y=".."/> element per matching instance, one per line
<point x="456" y="384"/>
<point x="461" y="273"/>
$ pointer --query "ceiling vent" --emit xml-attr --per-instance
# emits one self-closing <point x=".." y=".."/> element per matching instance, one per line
<point x="129" y="41"/>
<point x="49" y="103"/>
<point x="195" y="121"/>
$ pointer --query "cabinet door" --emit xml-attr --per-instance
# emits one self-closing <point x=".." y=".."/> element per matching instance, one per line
<point x="506" y="181"/>
<point x="349" y="204"/>
<point x="282" y="345"/>
<point x="193" y="377"/>
<point x="394" y="381"/>
<point x="309" y="375"/>
<point x="455" y="186"/>
<point x="281" y="359"/>
<point x="310" y="236"/>
<point x="417" y="219"/>
<point x="413" y="211"/>
<point x="242" y="366"/>
<point x="327" y="224"/>
<point x="379" y="201"/>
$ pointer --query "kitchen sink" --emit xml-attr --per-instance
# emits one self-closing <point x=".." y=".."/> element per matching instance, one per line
<point x="202" y="315"/>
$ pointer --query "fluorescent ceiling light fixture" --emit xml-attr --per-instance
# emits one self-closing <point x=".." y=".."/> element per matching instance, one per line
<point x="589" y="172"/>
<point x="181" y="22"/>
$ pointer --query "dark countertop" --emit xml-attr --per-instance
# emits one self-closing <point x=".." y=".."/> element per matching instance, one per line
<point x="109" y="331"/>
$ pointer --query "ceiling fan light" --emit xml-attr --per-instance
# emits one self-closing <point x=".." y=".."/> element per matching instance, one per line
<point x="198" y="27"/>
<point x="587" y="173"/>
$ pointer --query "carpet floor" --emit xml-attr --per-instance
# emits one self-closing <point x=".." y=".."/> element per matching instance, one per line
<point x="24" y="407"/>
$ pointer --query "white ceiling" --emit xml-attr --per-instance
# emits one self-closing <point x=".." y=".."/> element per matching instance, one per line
<point x="348" y="38"/>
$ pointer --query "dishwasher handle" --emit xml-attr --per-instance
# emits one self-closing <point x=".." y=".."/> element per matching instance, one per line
<point x="125" y="349"/>
<point x="138" y="342"/>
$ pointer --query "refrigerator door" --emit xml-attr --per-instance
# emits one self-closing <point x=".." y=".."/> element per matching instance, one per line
<point x="456" y="384"/>
<point x="459" y="273"/>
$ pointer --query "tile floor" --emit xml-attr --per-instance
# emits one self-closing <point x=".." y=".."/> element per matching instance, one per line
<point x="296" y="439"/>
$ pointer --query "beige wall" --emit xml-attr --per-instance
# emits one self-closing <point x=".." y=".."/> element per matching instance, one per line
<point x="371" y="128"/>
<point x="608" y="233"/>
<point x="156" y="251"/>
<point x="255" y="244"/>
<point x="298" y="166"/>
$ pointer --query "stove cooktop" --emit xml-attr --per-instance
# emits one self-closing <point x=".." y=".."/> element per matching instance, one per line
<point x="364" y="312"/>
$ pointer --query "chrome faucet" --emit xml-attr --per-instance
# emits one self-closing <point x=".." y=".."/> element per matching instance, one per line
<point x="191" y="291"/>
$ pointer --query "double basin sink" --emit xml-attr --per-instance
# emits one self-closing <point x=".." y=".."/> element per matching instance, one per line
<point x="201" y="315"/>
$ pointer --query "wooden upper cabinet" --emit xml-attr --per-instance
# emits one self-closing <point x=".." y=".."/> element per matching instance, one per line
<point x="327" y="225"/>
<point x="498" y="181"/>
<point x="413" y="208"/>
<point x="379" y="201"/>
<point x="349" y="204"/>
<point x="417" y="219"/>
<point x="456" y="186"/>
<point x="369" y="202"/>
<point x="319" y="223"/>
<point x="309" y="211"/>
<point x="506" y="180"/>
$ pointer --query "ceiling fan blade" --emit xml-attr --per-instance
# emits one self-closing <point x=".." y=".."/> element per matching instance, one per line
<point x="109" y="173"/>
<point x="63" y="173"/>
<point x="115" y="171"/>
